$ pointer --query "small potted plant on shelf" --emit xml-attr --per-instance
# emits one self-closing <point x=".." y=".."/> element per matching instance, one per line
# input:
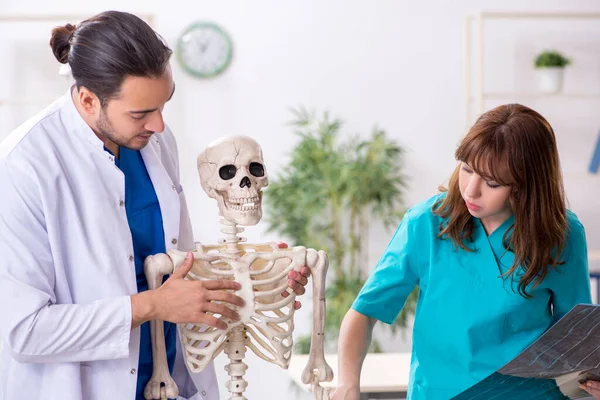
<point x="550" y="66"/>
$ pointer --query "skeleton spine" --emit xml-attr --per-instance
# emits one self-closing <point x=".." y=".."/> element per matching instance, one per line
<point x="236" y="350"/>
<point x="232" y="237"/>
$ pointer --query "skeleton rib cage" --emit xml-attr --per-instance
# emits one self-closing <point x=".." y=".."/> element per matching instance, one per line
<point x="267" y="321"/>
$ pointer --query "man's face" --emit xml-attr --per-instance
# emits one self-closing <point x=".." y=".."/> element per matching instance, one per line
<point x="131" y="119"/>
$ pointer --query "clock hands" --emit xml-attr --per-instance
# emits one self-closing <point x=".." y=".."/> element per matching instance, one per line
<point x="202" y="46"/>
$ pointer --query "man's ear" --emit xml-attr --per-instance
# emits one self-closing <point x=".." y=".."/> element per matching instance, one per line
<point x="89" y="101"/>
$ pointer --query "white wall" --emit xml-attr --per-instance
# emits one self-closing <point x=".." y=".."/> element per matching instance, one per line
<point x="393" y="63"/>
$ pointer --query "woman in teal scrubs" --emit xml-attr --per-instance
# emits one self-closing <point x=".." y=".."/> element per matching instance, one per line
<point x="497" y="258"/>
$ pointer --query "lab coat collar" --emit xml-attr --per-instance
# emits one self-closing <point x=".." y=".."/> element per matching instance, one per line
<point x="76" y="123"/>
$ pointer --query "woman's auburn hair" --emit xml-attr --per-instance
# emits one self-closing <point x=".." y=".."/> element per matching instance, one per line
<point x="514" y="146"/>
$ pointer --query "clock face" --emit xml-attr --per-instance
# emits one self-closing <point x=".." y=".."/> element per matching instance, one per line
<point x="204" y="50"/>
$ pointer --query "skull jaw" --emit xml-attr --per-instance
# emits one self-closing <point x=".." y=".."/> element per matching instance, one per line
<point x="244" y="217"/>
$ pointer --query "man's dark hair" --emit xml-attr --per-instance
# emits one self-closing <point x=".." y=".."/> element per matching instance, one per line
<point x="105" y="49"/>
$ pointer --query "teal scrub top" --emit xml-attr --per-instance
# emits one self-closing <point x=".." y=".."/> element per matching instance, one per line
<point x="469" y="320"/>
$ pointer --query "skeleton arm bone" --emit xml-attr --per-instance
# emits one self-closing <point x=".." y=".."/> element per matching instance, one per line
<point x="155" y="268"/>
<point x="317" y="369"/>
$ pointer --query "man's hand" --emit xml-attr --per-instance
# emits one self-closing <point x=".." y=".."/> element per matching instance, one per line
<point x="186" y="301"/>
<point x="297" y="280"/>
<point x="592" y="387"/>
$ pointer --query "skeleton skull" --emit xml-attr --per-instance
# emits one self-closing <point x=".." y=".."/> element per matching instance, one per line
<point x="233" y="172"/>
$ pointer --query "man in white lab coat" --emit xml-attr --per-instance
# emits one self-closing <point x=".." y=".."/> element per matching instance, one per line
<point x="88" y="189"/>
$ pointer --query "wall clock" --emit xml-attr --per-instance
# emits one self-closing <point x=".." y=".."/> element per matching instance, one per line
<point x="204" y="50"/>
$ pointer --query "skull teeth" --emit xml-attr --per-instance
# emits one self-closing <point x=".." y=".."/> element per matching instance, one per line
<point x="244" y="204"/>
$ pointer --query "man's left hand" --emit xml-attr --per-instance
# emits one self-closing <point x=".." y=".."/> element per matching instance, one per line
<point x="297" y="280"/>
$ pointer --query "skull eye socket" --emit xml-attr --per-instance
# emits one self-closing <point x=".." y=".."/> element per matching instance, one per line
<point x="227" y="172"/>
<point x="257" y="169"/>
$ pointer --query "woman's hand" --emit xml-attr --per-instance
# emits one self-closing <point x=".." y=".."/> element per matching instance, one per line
<point x="592" y="387"/>
<point x="346" y="393"/>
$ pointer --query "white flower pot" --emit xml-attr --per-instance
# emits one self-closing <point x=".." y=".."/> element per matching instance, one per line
<point x="550" y="79"/>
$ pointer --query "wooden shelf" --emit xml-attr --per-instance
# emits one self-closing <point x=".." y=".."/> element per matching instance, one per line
<point x="473" y="55"/>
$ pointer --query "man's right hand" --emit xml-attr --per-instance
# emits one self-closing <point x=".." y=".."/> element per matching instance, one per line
<point x="187" y="301"/>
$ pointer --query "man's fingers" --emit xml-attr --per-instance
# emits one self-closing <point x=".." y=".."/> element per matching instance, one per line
<point x="221" y="285"/>
<point x="185" y="267"/>
<point x="212" y="321"/>
<point x="298" y="289"/>
<point x="226" y="312"/>
<point x="221" y="295"/>
<point x="305" y="271"/>
<point x="298" y="277"/>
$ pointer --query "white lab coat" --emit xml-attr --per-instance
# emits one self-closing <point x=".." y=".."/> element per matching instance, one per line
<point x="66" y="271"/>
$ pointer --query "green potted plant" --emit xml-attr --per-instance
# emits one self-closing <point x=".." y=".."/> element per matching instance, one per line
<point x="328" y="195"/>
<point x="550" y="65"/>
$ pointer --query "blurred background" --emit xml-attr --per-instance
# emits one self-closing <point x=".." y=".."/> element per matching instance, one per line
<point x="358" y="107"/>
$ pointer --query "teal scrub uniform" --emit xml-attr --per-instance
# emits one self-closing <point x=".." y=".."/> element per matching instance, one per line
<point x="469" y="320"/>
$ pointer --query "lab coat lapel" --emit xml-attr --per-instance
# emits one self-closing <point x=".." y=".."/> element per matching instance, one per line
<point x="165" y="191"/>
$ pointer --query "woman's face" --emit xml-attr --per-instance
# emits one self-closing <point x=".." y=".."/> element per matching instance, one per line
<point x="485" y="199"/>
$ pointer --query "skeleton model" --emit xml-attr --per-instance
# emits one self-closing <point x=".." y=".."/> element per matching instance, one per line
<point x="232" y="171"/>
